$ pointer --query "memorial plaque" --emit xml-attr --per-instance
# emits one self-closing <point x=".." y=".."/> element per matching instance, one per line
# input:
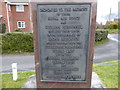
<point x="64" y="33"/>
<point x="63" y="40"/>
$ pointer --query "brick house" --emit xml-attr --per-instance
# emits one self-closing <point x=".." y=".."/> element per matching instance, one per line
<point x="116" y="20"/>
<point x="16" y="15"/>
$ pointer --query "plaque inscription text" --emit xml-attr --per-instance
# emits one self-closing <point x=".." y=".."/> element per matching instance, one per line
<point x="63" y="41"/>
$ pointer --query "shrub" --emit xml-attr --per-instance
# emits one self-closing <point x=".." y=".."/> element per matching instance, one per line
<point x="113" y="26"/>
<point x="17" y="42"/>
<point x="18" y="30"/>
<point x="2" y="27"/>
<point x="101" y="35"/>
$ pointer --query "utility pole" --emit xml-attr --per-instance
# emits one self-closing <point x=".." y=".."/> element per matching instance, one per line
<point x="110" y="15"/>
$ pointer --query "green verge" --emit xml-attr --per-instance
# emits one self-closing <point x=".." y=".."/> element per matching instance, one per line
<point x="108" y="73"/>
<point x="7" y="81"/>
<point x="110" y="31"/>
<point x="101" y="42"/>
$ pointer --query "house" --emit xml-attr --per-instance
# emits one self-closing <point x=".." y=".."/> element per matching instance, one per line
<point x="116" y="20"/>
<point x="16" y="15"/>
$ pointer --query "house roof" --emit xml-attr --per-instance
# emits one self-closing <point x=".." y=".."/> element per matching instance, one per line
<point x="17" y="2"/>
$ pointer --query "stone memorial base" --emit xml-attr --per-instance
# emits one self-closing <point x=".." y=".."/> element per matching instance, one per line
<point x="96" y="82"/>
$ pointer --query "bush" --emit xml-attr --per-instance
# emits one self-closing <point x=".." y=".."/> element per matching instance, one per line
<point x="18" y="30"/>
<point x="101" y="35"/>
<point x="2" y="27"/>
<point x="113" y="26"/>
<point x="17" y="42"/>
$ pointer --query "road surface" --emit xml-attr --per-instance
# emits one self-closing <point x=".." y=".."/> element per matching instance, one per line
<point x="103" y="53"/>
<point x="108" y="51"/>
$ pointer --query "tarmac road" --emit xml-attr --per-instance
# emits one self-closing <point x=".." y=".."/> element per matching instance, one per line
<point x="103" y="53"/>
<point x="24" y="62"/>
<point x="108" y="51"/>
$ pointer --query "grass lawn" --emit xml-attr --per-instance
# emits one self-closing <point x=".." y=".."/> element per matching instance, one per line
<point x="101" y="42"/>
<point x="108" y="73"/>
<point x="110" y="31"/>
<point x="7" y="81"/>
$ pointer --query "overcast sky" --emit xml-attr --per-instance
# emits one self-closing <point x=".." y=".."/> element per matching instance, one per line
<point x="103" y="9"/>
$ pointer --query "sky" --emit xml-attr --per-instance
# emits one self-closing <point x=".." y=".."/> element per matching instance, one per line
<point x="103" y="10"/>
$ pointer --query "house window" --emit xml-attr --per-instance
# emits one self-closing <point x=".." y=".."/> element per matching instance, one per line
<point x="20" y="8"/>
<point x="9" y="8"/>
<point x="21" y="24"/>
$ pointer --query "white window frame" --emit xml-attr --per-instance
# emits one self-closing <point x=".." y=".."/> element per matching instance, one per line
<point x="19" y="8"/>
<point x="22" y="24"/>
<point x="9" y="7"/>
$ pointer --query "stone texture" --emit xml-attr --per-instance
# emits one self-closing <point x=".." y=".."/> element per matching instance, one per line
<point x="31" y="83"/>
<point x="96" y="82"/>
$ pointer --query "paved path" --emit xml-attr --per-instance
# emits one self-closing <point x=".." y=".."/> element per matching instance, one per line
<point x="107" y="52"/>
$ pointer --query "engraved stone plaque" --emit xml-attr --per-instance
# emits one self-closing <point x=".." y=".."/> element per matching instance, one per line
<point x="63" y="38"/>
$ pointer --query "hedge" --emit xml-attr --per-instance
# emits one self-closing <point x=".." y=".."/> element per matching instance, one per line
<point x="113" y="26"/>
<point x="17" y="42"/>
<point x="23" y="42"/>
<point x="101" y="35"/>
<point x="18" y="30"/>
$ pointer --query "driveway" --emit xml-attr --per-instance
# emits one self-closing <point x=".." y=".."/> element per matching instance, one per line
<point x="103" y="53"/>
